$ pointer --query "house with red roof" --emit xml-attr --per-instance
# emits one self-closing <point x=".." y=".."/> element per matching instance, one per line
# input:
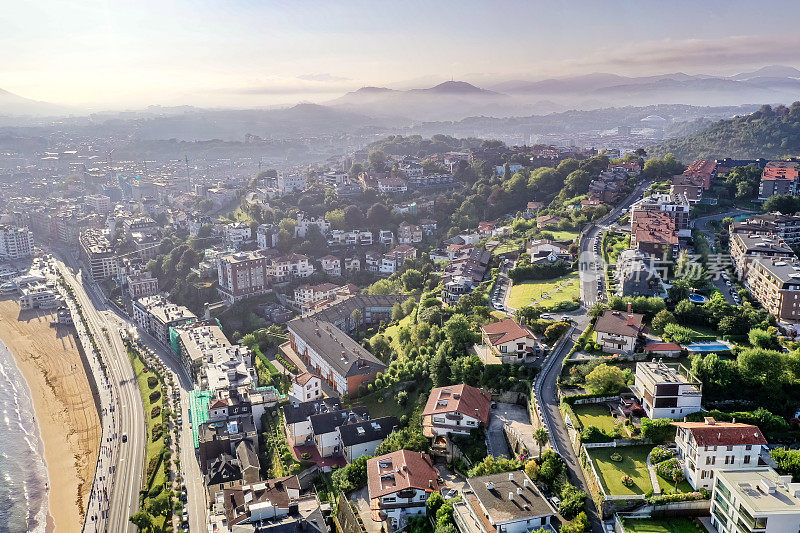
<point x="510" y="342"/>
<point x="399" y="485"/>
<point x="306" y="387"/>
<point x="708" y="446"/>
<point x="455" y="409"/>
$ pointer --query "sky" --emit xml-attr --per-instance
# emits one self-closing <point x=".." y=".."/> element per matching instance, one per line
<point x="246" y="53"/>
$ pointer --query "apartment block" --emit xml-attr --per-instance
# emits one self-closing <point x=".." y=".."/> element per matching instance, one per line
<point x="243" y="275"/>
<point x="745" y="247"/>
<point x="155" y="315"/>
<point x="785" y="227"/>
<point x="775" y="283"/>
<point x="96" y="252"/>
<point x="779" y="177"/>
<point x="15" y="242"/>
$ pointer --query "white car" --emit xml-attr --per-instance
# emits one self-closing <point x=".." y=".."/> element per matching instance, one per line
<point x="546" y="316"/>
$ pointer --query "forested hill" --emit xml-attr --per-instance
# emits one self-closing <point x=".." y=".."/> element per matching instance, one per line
<point x="768" y="133"/>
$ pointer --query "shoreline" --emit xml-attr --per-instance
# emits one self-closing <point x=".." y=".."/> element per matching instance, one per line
<point x="64" y="406"/>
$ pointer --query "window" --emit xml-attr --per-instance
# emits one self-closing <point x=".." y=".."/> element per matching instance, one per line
<point x="729" y="448"/>
<point x="746" y="460"/>
<point x="748" y="447"/>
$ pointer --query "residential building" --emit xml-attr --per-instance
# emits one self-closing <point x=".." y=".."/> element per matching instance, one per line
<point x="667" y="390"/>
<point x="785" y="227"/>
<point x="96" y="252"/>
<point x="779" y="177"/>
<point x="100" y="203"/>
<point x="654" y="233"/>
<point x="399" y="485"/>
<point x="36" y="293"/>
<point x="392" y="184"/>
<point x="363" y="438"/>
<point x="15" y="242"/>
<point x="455" y="409"/>
<point x="306" y="387"/>
<point x="706" y="446"/>
<point x="775" y="283"/>
<point x="430" y="181"/>
<point x="428" y="226"/>
<point x="237" y="233"/>
<point x="306" y="295"/>
<point x="508" y="502"/>
<point x="331" y="265"/>
<point x="290" y="182"/>
<point x="618" y="332"/>
<point x="297" y="418"/>
<point x="351" y="312"/>
<point x="703" y="170"/>
<point x="746" y="247"/>
<point x="386" y="236"/>
<point x="155" y="315"/>
<point x="352" y="264"/>
<point x="465" y="272"/>
<point x="755" y="499"/>
<point x="548" y="220"/>
<point x="243" y="275"/>
<point x="675" y="205"/>
<point x="273" y="506"/>
<point x="284" y="268"/>
<point x="636" y="275"/>
<point x="332" y="354"/>
<point x="509" y="342"/>
<point x="193" y="340"/>
<point x="545" y="250"/>
<point x="267" y="236"/>
<point x="303" y="223"/>
<point x="409" y="233"/>
<point x="141" y="284"/>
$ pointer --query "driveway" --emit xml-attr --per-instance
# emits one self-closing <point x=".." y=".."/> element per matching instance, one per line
<point x="361" y="497"/>
<point x="506" y="413"/>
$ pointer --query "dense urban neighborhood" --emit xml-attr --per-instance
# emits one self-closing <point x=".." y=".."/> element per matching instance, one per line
<point x="432" y="335"/>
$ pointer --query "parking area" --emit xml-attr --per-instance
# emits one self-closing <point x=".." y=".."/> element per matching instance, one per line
<point x="361" y="498"/>
<point x="504" y="413"/>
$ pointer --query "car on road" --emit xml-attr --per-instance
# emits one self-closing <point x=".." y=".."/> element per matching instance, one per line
<point x="124" y="437"/>
<point x="449" y="493"/>
<point x="546" y="316"/>
<point x="566" y="318"/>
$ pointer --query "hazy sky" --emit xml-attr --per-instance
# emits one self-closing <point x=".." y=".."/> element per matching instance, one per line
<point x="258" y="53"/>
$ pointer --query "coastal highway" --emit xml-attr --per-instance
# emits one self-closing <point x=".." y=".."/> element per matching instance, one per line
<point x="114" y="321"/>
<point x="125" y="479"/>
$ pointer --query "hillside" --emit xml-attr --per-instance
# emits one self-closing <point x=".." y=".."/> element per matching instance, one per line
<point x="767" y="133"/>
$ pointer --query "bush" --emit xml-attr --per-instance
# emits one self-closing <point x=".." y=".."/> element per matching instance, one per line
<point x="594" y="434"/>
<point x="155" y="396"/>
<point x="659" y="454"/>
<point x="616" y="457"/>
<point x="657" y="430"/>
<point x="573" y="501"/>
<point x="152" y="381"/>
<point x="670" y="470"/>
<point x="306" y="456"/>
<point x="626" y="480"/>
<point x="155" y="411"/>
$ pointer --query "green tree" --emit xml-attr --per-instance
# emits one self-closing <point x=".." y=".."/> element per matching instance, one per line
<point x="763" y="367"/>
<point x="579" y="525"/>
<point x="458" y="330"/>
<point x="377" y="161"/>
<point x="542" y="437"/>
<point x="605" y="379"/>
<point x="412" y="279"/>
<point x="433" y="504"/>
<point x="142" y="520"/>
<point x="661" y="319"/>
<point x="397" y="312"/>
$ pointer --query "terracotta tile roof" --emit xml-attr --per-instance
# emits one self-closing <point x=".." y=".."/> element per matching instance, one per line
<point x="619" y="323"/>
<point x="661" y="347"/>
<point x="400" y="470"/>
<point x="505" y="331"/>
<point x="459" y="398"/>
<point x="713" y="433"/>
<point x="305" y="377"/>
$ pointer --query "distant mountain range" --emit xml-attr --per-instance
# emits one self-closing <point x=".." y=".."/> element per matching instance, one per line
<point x="13" y="104"/>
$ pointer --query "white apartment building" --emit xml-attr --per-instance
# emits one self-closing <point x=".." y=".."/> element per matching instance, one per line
<point x="704" y="447"/>
<point x="237" y="234"/>
<point x="306" y="387"/>
<point x="100" y="203"/>
<point x="267" y="236"/>
<point x="331" y="265"/>
<point x="15" y="242"/>
<point x="284" y="268"/>
<point x="291" y="182"/>
<point x="303" y="223"/>
<point x="667" y="390"/>
<point x="155" y="315"/>
<point x="755" y="499"/>
<point x="305" y="295"/>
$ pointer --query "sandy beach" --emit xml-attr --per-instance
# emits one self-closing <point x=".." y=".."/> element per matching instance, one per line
<point x="70" y="426"/>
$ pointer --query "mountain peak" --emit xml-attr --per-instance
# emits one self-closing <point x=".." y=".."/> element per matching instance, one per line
<point x="770" y="71"/>
<point x="457" y="87"/>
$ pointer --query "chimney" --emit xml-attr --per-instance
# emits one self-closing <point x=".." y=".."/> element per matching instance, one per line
<point x="511" y="496"/>
<point x="519" y="491"/>
<point x="630" y="307"/>
<point x="511" y="476"/>
<point x="630" y="317"/>
<point x="526" y="482"/>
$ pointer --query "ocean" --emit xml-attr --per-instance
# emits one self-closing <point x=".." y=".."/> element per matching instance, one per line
<point x="23" y="491"/>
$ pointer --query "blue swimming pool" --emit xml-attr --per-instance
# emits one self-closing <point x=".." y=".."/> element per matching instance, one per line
<point x="709" y="347"/>
<point x="698" y="298"/>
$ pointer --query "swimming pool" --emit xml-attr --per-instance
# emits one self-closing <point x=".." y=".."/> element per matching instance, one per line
<point x="718" y="346"/>
<point x="697" y="298"/>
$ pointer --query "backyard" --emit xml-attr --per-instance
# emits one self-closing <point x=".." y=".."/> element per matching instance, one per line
<point x="597" y="415"/>
<point x="664" y="525"/>
<point x="527" y="292"/>
<point x="634" y="464"/>
<point x="382" y="404"/>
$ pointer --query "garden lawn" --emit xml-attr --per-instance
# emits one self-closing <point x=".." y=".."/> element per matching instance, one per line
<point x="525" y="293"/>
<point x="379" y="405"/>
<point x="392" y="331"/>
<point x="634" y="464"/>
<point x="668" y="487"/>
<point x="562" y="235"/>
<point x="664" y="525"/>
<point x="596" y="415"/>
<point x="568" y="292"/>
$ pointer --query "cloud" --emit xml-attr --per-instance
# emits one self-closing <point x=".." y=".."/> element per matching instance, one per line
<point x="731" y="51"/>
<point x="322" y="77"/>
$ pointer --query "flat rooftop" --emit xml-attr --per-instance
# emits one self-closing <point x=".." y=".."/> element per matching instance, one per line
<point x="762" y="489"/>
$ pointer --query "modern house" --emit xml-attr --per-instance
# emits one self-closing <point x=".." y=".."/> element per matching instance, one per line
<point x="508" y="502"/>
<point x="617" y="331"/>
<point x="706" y="446"/>
<point x="755" y="499"/>
<point x="399" y="485"/>
<point x="455" y="409"/>
<point x="306" y="387"/>
<point x="667" y="390"/>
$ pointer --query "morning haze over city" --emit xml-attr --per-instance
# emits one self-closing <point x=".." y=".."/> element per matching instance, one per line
<point x="371" y="267"/>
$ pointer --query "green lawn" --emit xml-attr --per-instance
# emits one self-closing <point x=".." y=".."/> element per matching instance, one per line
<point x="664" y="525"/>
<point x="596" y="415"/>
<point x="634" y="463"/>
<point x="524" y="293"/>
<point x="392" y="331"/>
<point x="569" y="291"/>
<point x="561" y="235"/>
<point x="668" y="487"/>
<point x="379" y="405"/>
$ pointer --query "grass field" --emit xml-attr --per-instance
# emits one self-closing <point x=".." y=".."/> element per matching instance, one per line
<point x="379" y="405"/>
<point x="664" y="525"/>
<point x="668" y="487"/>
<point x="524" y="293"/>
<point x="596" y="415"/>
<point x="392" y="331"/>
<point x="634" y="463"/>
<point x="559" y="235"/>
